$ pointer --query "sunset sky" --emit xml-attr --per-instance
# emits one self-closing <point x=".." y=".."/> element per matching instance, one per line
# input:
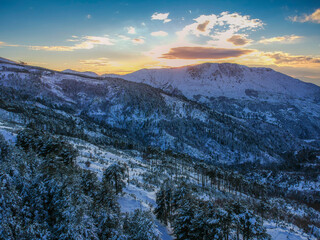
<point x="124" y="36"/>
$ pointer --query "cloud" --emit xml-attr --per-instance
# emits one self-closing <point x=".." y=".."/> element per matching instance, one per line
<point x="73" y="39"/>
<point x="202" y="27"/>
<point x="123" y="37"/>
<point x="282" y="58"/>
<point x="281" y="39"/>
<point x="238" y="40"/>
<point x="131" y="30"/>
<point x="89" y="16"/>
<point x="86" y="42"/>
<point x="159" y="34"/>
<point x="161" y="16"/>
<point x="237" y="21"/>
<point x="314" y="17"/>
<point x="4" y="44"/>
<point x="98" y="40"/>
<point x="52" y="48"/>
<point x="100" y="62"/>
<point x="138" y="41"/>
<point x="221" y="27"/>
<point x="204" y="53"/>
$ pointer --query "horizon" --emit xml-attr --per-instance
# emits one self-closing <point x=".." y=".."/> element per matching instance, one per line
<point x="123" y="37"/>
<point x="159" y="68"/>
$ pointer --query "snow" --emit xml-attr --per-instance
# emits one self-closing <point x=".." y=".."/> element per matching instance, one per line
<point x="6" y="60"/>
<point x="285" y="232"/>
<point x="230" y="80"/>
<point x="133" y="197"/>
<point x="206" y="84"/>
<point x="9" y="132"/>
<point x="8" y="136"/>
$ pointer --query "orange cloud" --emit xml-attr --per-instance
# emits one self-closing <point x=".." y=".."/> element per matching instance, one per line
<point x="282" y="58"/>
<point x="100" y="62"/>
<point x="8" y="45"/>
<point x="202" y="27"/>
<point x="314" y="17"/>
<point x="204" y="53"/>
<point x="238" y="40"/>
<point x="138" y="40"/>
<point x="282" y="39"/>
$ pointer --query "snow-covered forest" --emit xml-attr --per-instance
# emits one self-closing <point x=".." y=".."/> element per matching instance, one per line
<point x="85" y="157"/>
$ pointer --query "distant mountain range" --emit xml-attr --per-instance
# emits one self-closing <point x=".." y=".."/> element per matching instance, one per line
<point x="224" y="113"/>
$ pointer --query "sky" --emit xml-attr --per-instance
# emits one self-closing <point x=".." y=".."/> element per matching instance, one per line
<point x="125" y="36"/>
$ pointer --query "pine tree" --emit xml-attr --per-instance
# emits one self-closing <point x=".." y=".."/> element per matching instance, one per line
<point x="139" y="225"/>
<point x="115" y="175"/>
<point x="251" y="227"/>
<point x="182" y="225"/>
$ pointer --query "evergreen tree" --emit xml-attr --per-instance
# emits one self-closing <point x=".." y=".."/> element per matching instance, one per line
<point x="139" y="225"/>
<point x="115" y="175"/>
<point x="182" y="225"/>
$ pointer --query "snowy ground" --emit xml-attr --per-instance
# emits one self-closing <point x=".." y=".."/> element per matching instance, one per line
<point x="8" y="132"/>
<point x="285" y="232"/>
<point x="135" y="197"/>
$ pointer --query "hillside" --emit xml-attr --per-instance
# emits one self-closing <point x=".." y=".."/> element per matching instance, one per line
<point x="259" y="149"/>
<point x="225" y="80"/>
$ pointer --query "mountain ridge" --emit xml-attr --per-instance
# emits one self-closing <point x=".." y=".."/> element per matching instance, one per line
<point x="223" y="79"/>
<point x="215" y="129"/>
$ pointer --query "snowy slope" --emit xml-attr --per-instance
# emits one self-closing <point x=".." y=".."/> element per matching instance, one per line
<point x="165" y="120"/>
<point x="229" y="80"/>
<point x="4" y="60"/>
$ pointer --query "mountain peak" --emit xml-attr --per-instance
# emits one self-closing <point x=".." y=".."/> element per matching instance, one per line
<point x="224" y="79"/>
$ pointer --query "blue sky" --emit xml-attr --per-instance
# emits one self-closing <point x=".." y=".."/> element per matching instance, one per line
<point x="120" y="37"/>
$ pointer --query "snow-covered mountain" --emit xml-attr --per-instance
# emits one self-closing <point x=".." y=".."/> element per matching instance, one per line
<point x="4" y="60"/>
<point x="89" y="74"/>
<point x="226" y="79"/>
<point x="218" y="128"/>
<point x="253" y="146"/>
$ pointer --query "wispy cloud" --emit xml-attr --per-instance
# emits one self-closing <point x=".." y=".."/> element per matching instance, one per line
<point x="161" y="16"/>
<point x="314" y="17"/>
<point x="159" y="34"/>
<point x="123" y="37"/>
<point x="204" y="53"/>
<point x="131" y="30"/>
<point x="87" y="42"/>
<point x="282" y="58"/>
<point x="138" y="40"/>
<point x="99" y="62"/>
<point x="281" y="39"/>
<point x="4" y="44"/>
